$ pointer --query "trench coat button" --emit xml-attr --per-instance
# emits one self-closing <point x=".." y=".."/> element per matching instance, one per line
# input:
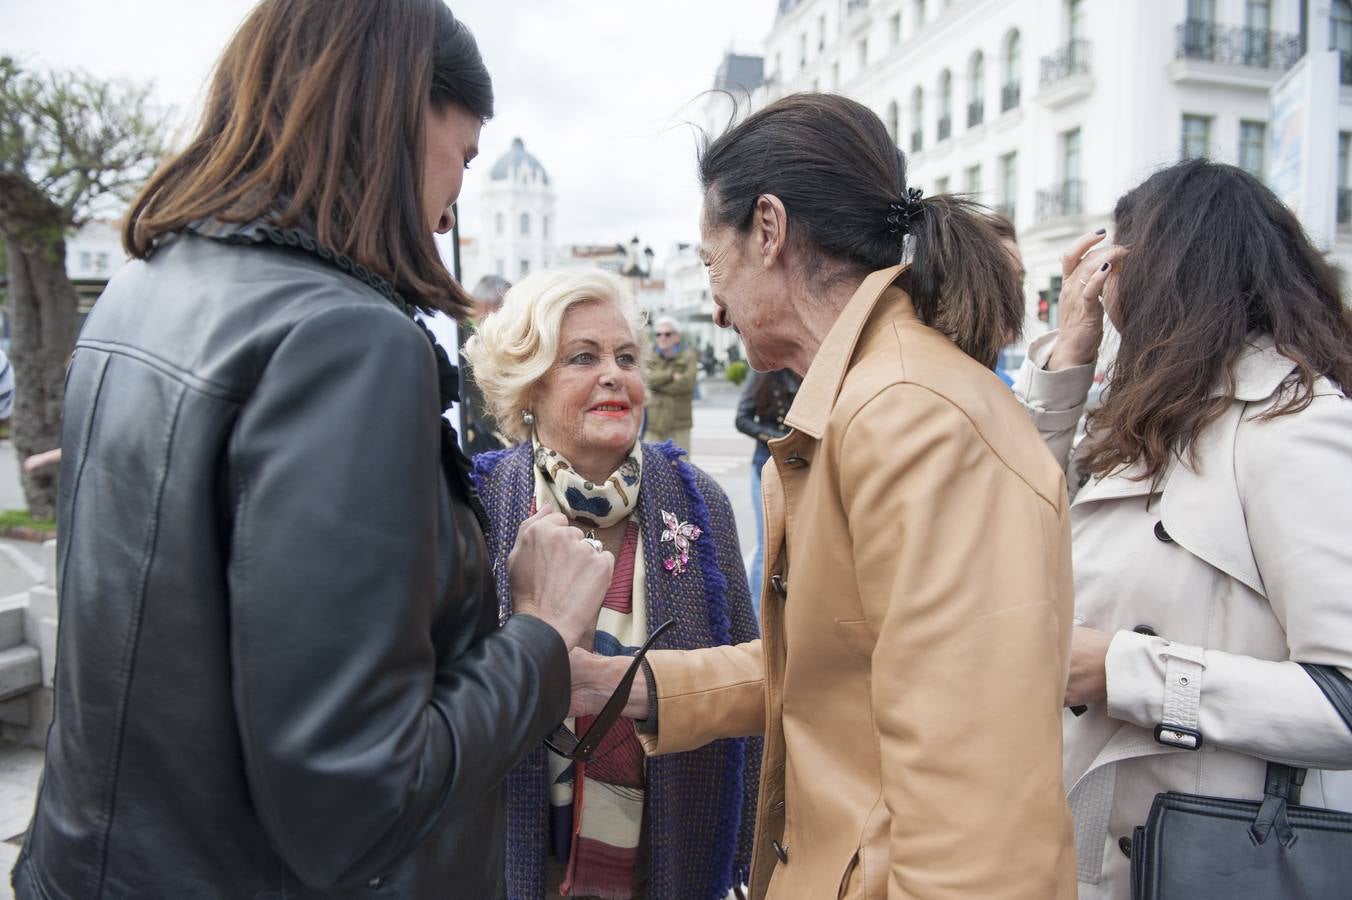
<point x="794" y="461"/>
<point x="781" y="851"/>
<point x="1145" y="630"/>
<point x="1162" y="534"/>
<point x="780" y="584"/>
<point x="1124" y="844"/>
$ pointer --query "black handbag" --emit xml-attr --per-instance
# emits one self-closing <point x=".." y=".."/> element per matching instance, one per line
<point x="1193" y="847"/>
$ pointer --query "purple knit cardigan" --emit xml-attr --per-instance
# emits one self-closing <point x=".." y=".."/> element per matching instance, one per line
<point x="701" y="804"/>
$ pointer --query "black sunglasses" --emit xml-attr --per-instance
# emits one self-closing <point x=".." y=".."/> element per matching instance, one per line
<point x="569" y="745"/>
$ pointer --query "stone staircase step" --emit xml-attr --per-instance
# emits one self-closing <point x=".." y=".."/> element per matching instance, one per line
<point x="12" y="610"/>
<point x="20" y="670"/>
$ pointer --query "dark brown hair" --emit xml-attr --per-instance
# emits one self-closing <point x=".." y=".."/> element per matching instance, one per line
<point x="1214" y="257"/>
<point x="315" y="118"/>
<point x="832" y="163"/>
<point x="1004" y="229"/>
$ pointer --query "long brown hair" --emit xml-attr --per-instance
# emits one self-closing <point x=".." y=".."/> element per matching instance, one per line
<point x="1214" y="258"/>
<point x="832" y="163"/>
<point x="315" y="118"/>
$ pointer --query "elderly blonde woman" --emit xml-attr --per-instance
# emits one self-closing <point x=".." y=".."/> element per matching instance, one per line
<point x="560" y="369"/>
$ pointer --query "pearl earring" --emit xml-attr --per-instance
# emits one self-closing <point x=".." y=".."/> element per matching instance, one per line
<point x="528" y="417"/>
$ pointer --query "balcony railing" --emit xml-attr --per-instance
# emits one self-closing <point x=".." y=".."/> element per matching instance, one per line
<point x="917" y="141"/>
<point x="945" y="127"/>
<point x="976" y="113"/>
<point x="1344" y="206"/>
<point x="1009" y="96"/>
<point x="1065" y="199"/>
<point x="1257" y="47"/>
<point x="854" y="6"/>
<point x="1072" y="59"/>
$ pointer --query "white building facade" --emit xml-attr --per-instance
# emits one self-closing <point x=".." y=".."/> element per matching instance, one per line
<point x="516" y="221"/>
<point x="1049" y="110"/>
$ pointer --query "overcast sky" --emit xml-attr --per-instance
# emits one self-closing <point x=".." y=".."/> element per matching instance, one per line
<point x="600" y="90"/>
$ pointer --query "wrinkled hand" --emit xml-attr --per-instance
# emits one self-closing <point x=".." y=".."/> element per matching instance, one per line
<point x="1084" y="274"/>
<point x="556" y="577"/>
<point x="1088" y="667"/>
<point x="595" y="678"/>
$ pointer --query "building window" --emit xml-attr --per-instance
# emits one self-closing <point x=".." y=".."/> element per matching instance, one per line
<point x="863" y="54"/>
<point x="976" y="101"/>
<point x="895" y="29"/>
<point x="1009" y="91"/>
<point x="945" y="122"/>
<point x="821" y="32"/>
<point x="523" y="268"/>
<point x="1344" y="178"/>
<point x="1079" y="27"/>
<point x="1258" y="15"/>
<point x="835" y="75"/>
<point x="544" y="227"/>
<point x="1202" y="10"/>
<point x="1252" y="138"/>
<point x="1196" y="136"/>
<point x="972" y="180"/>
<point x="919" y="13"/>
<point x="917" y="119"/>
<point x="894" y="122"/>
<point x="100" y="263"/>
<point x="525" y="224"/>
<point x="1340" y="23"/>
<point x="1070" y="155"/>
<point x="779" y="65"/>
<point x="802" y="52"/>
<point x="1009" y="183"/>
<point x="498" y="224"/>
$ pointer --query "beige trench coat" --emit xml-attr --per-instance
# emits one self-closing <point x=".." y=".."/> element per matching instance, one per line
<point x="916" y="623"/>
<point x="1237" y="568"/>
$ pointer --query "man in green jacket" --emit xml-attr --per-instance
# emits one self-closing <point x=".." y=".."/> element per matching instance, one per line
<point x="670" y="371"/>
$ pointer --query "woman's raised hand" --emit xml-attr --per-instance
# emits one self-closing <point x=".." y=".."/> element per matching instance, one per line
<point x="1084" y="273"/>
<point x="558" y="577"/>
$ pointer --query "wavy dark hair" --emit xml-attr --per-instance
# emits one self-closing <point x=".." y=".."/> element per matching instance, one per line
<point x="315" y="119"/>
<point x="1214" y="257"/>
<point x="832" y="163"/>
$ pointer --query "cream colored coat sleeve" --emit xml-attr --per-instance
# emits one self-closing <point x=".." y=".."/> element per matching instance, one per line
<point x="1055" y="401"/>
<point x="704" y="695"/>
<point x="1295" y="482"/>
<point x="972" y="616"/>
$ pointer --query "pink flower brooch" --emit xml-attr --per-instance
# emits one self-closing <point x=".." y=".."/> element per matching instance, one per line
<point x="682" y="536"/>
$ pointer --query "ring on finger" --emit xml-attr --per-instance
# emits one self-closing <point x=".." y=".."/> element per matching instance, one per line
<point x="593" y="543"/>
<point x="1083" y="282"/>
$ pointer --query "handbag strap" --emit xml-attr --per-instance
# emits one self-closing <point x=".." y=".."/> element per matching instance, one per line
<point x="1282" y="783"/>
<point x="1335" y="686"/>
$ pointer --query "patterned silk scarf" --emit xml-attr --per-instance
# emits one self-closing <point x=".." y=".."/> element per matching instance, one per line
<point x="596" y="808"/>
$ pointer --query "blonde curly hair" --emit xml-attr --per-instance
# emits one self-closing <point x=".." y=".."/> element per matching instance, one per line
<point x="518" y="343"/>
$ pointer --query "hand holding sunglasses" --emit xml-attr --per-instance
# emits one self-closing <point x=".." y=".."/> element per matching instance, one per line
<point x="568" y="745"/>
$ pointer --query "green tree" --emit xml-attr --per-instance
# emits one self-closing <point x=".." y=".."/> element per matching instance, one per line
<point x="71" y="147"/>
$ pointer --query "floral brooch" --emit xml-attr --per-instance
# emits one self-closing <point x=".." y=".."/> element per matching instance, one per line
<point x="681" y="535"/>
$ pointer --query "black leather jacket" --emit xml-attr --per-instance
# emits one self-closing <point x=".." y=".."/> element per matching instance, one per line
<point x="280" y="667"/>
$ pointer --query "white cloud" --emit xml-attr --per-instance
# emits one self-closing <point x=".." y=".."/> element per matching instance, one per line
<point x="598" y="89"/>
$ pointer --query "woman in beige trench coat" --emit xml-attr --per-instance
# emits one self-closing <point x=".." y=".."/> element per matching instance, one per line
<point x="1212" y="512"/>
<point x="917" y="599"/>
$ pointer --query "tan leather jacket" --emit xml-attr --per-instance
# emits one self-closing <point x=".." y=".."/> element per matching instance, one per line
<point x="916" y="620"/>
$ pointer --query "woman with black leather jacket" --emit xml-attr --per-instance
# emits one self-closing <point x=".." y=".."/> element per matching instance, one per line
<point x="282" y="672"/>
<point x="766" y="398"/>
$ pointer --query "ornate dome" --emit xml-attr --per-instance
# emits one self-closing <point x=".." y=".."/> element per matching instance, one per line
<point x="514" y="159"/>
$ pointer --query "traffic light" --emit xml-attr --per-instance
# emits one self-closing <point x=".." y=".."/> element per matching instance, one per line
<point x="1044" y="307"/>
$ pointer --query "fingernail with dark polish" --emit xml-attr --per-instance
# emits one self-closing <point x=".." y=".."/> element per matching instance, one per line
<point x="1101" y="231"/>
<point x="1105" y="267"/>
<point x="1079" y="710"/>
